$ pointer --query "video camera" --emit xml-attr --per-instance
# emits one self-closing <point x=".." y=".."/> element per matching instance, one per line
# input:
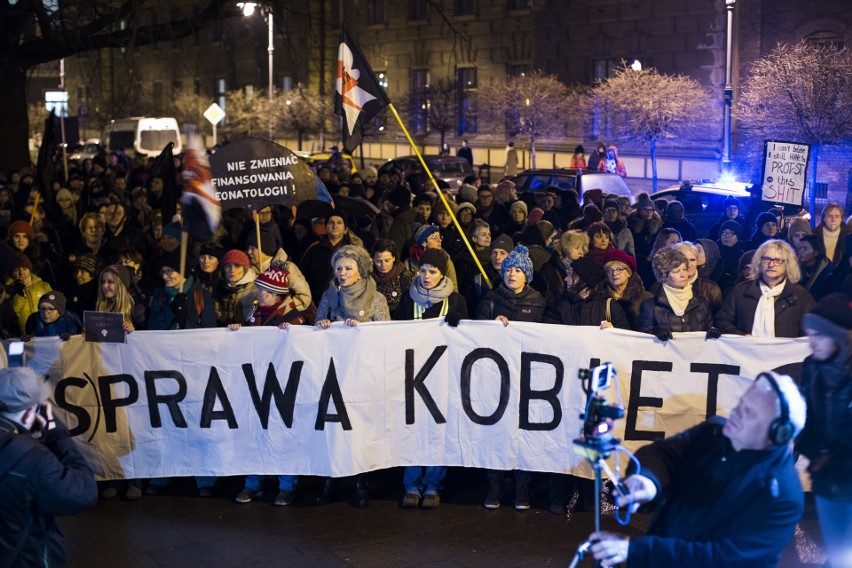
<point x="599" y="415"/>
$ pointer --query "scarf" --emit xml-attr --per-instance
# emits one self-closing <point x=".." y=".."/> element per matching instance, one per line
<point x="830" y="239"/>
<point x="386" y="280"/>
<point x="353" y="302"/>
<point x="678" y="299"/>
<point x="764" y="315"/>
<point x="427" y="298"/>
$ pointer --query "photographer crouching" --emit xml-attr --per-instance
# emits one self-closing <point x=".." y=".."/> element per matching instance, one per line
<point x="726" y="492"/>
<point x="42" y="473"/>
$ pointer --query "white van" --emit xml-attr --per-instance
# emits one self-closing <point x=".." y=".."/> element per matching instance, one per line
<point x="142" y="136"/>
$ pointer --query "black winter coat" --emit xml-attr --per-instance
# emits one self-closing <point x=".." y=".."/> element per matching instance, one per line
<point x="457" y="308"/>
<point x="737" y="313"/>
<point x="717" y="507"/>
<point x="316" y="264"/>
<point x="528" y="305"/>
<point x="657" y="313"/>
<point x="570" y="309"/>
<point x="827" y="438"/>
<point x="52" y="478"/>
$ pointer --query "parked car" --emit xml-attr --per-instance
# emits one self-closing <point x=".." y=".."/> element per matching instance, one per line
<point x="451" y="169"/>
<point x="89" y="150"/>
<point x="318" y="159"/>
<point x="538" y="180"/>
<point x="704" y="202"/>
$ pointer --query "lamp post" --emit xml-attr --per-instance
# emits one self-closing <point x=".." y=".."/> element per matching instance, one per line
<point x="729" y="90"/>
<point x="248" y="9"/>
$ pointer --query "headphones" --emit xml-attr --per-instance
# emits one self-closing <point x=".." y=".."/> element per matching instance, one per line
<point x="781" y="429"/>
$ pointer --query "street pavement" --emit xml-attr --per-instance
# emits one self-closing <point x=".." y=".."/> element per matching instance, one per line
<point x="178" y="529"/>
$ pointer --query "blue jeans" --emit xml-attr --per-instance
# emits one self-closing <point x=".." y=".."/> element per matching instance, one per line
<point x="285" y="482"/>
<point x="420" y="478"/>
<point x="835" y="522"/>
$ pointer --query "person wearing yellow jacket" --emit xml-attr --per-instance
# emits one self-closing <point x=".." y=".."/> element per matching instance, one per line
<point x="24" y="288"/>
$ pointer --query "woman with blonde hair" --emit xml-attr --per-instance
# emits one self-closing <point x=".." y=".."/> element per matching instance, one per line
<point x="114" y="294"/>
<point x="771" y="305"/>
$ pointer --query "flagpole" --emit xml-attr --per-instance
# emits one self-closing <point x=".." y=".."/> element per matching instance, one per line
<point x="256" y="218"/>
<point x="441" y="195"/>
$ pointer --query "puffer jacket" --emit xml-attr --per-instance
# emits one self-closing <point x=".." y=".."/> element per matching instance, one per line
<point x="657" y="313"/>
<point x="234" y="303"/>
<point x="737" y="313"/>
<point x="827" y="438"/>
<point x="528" y="305"/>
<point x="52" y="478"/>
<point x="25" y="300"/>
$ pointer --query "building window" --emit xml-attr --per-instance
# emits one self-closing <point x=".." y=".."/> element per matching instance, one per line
<point x="606" y="68"/>
<point x="419" y="100"/>
<point x="417" y="9"/>
<point x="287" y="83"/>
<point x="377" y="12"/>
<point x="157" y="96"/>
<point x="829" y="39"/>
<point x="518" y="4"/>
<point x="220" y="92"/>
<point x="518" y="69"/>
<point x="465" y="7"/>
<point x="466" y="94"/>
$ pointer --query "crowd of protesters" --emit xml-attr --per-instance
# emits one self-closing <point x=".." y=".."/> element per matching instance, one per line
<point x="99" y="241"/>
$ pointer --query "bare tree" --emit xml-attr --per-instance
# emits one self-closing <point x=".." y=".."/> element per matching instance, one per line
<point x="300" y="111"/>
<point x="188" y="107"/>
<point x="800" y="92"/>
<point x="247" y="113"/>
<point x="535" y="105"/>
<point x="434" y="106"/>
<point x="34" y="32"/>
<point x="648" y="107"/>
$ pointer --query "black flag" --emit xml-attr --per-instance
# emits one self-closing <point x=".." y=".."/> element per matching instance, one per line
<point x="359" y="96"/>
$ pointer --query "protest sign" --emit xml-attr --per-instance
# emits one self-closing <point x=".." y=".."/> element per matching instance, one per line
<point x="785" y="168"/>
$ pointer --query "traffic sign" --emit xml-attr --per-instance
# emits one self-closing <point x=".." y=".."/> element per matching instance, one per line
<point x="214" y="114"/>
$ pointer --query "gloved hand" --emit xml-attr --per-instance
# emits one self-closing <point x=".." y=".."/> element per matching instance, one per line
<point x="713" y="333"/>
<point x="453" y="319"/>
<point x="661" y="333"/>
<point x="64" y="336"/>
<point x="26" y="337"/>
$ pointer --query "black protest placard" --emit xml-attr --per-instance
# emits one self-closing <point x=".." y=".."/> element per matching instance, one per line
<point x="104" y="327"/>
<point x="253" y="173"/>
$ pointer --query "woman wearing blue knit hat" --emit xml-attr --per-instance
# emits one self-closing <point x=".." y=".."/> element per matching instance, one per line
<point x="512" y="300"/>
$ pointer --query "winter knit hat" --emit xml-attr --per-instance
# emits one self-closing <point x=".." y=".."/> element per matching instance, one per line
<point x="644" y="202"/>
<point x="731" y="200"/>
<point x="19" y="261"/>
<point x="666" y="260"/>
<point x="589" y="270"/>
<point x="267" y="243"/>
<point x="437" y="258"/>
<point x="20" y="227"/>
<point x="502" y="242"/>
<point x="237" y="257"/>
<point x="591" y="214"/>
<point x="764" y="218"/>
<point x="592" y="196"/>
<point x="400" y="196"/>
<point x="171" y="230"/>
<point x="518" y="258"/>
<point x="798" y="224"/>
<point x="275" y="280"/>
<point x="535" y="215"/>
<point x="56" y="299"/>
<point x="422" y="234"/>
<point x="674" y="210"/>
<point x="212" y="250"/>
<point x="468" y="193"/>
<point x="86" y="262"/>
<point x="610" y="202"/>
<point x="465" y="205"/>
<point x="519" y="205"/>
<point x="123" y="273"/>
<point x="504" y="191"/>
<point x="832" y="316"/>
<point x="21" y="388"/>
<point x="616" y="255"/>
<point x="733" y="226"/>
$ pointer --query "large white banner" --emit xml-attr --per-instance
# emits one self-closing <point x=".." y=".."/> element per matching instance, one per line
<point x="347" y="400"/>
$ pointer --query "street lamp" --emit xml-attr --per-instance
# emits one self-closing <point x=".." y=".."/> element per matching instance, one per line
<point x="729" y="90"/>
<point x="248" y="9"/>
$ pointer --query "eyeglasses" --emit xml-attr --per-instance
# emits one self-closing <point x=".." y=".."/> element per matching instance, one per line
<point x="614" y="271"/>
<point x="435" y="237"/>
<point x="769" y="261"/>
<point x="47" y="310"/>
<point x="126" y="261"/>
<point x="727" y="233"/>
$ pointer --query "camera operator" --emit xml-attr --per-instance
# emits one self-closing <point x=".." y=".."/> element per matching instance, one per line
<point x="42" y="473"/>
<point x="726" y="491"/>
